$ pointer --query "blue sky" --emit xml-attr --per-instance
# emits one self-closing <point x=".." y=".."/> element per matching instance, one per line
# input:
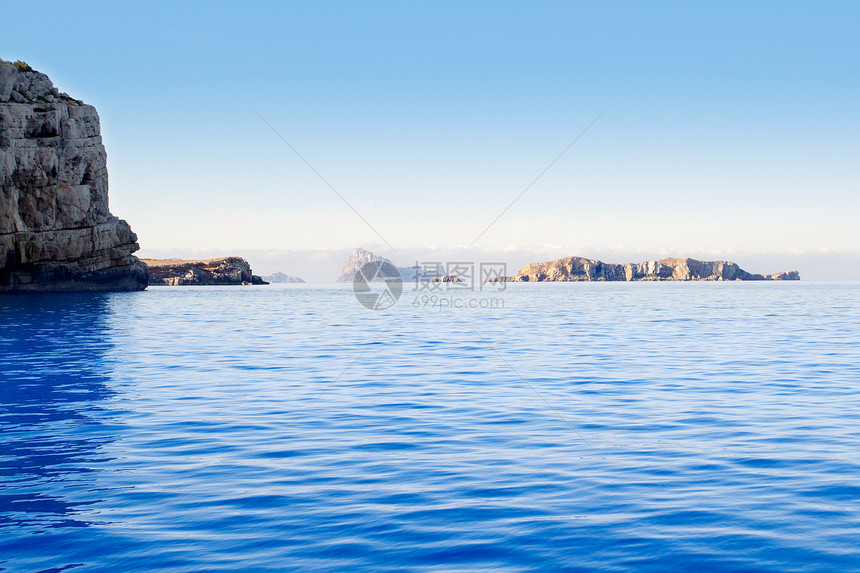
<point x="730" y="130"/>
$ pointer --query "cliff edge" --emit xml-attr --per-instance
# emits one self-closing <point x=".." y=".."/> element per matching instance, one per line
<point x="56" y="232"/>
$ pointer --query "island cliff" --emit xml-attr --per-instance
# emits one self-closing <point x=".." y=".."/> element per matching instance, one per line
<point x="582" y="269"/>
<point x="223" y="271"/>
<point x="56" y="232"/>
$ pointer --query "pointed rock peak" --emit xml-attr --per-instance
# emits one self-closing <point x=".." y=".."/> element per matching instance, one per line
<point x="357" y="259"/>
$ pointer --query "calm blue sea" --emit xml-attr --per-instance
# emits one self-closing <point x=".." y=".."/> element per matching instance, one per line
<point x="582" y="427"/>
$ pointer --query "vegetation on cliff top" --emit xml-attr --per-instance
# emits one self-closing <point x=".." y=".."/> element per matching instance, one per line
<point x="23" y="66"/>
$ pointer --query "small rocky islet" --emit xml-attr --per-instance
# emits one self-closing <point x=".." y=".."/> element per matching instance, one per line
<point x="361" y="257"/>
<point x="282" y="278"/>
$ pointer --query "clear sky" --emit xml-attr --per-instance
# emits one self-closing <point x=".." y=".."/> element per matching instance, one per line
<point x="730" y="130"/>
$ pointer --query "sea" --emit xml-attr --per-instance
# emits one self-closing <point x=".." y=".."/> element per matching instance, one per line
<point x="655" y="427"/>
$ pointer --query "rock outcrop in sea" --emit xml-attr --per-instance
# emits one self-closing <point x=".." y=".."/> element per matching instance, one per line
<point x="282" y="278"/>
<point x="447" y="279"/>
<point x="670" y="269"/>
<point x="361" y="257"/>
<point x="358" y="259"/>
<point x="223" y="271"/>
<point x="56" y="231"/>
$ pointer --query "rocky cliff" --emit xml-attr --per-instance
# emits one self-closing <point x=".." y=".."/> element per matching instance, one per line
<point x="582" y="269"/>
<point x="223" y="271"/>
<point x="56" y="232"/>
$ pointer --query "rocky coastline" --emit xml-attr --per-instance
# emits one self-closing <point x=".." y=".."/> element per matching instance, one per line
<point x="580" y="269"/>
<point x="56" y="231"/>
<point x="206" y="272"/>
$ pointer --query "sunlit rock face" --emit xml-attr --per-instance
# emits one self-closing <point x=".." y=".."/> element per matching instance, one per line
<point x="219" y="271"/>
<point x="581" y="269"/>
<point x="56" y="231"/>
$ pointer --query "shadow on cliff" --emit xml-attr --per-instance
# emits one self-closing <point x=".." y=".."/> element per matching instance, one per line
<point x="52" y="388"/>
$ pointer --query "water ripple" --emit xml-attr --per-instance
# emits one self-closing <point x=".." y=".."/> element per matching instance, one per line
<point x="288" y="428"/>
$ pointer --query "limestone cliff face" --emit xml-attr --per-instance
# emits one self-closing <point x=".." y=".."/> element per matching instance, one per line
<point x="224" y="271"/>
<point x="56" y="232"/>
<point x="582" y="269"/>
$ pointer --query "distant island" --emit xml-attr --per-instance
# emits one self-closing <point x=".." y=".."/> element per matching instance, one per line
<point x="574" y="269"/>
<point x="581" y="269"/>
<point x="361" y="257"/>
<point x="219" y="271"/>
<point x="279" y="277"/>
